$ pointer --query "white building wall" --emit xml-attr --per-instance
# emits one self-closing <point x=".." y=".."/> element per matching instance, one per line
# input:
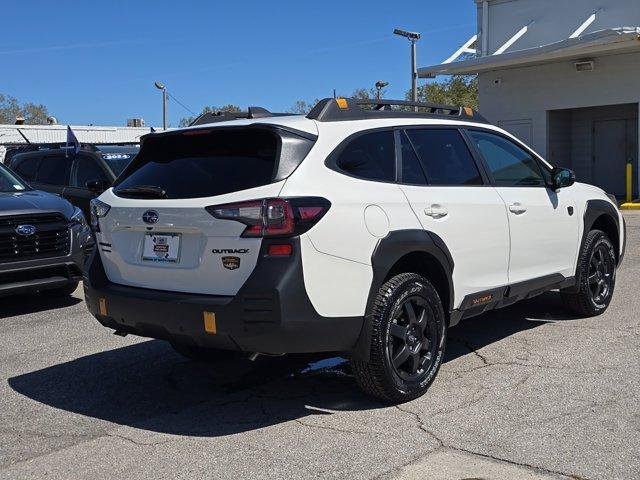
<point x="527" y="93"/>
<point x="58" y="133"/>
<point x="552" y="20"/>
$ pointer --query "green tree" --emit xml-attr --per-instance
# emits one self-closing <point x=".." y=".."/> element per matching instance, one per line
<point x="186" y="121"/>
<point x="459" y="90"/>
<point x="11" y="108"/>
<point x="302" y="106"/>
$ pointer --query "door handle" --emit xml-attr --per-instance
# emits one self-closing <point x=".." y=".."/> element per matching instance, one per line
<point x="436" y="211"/>
<point x="517" y="208"/>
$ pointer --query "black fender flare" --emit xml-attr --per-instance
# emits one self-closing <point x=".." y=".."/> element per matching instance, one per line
<point x="386" y="254"/>
<point x="594" y="210"/>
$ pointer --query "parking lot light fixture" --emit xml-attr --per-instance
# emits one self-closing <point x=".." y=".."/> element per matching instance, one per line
<point x="380" y="84"/>
<point x="413" y="38"/>
<point x="160" y="86"/>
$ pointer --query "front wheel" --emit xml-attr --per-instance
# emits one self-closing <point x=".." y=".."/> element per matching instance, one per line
<point x="596" y="275"/>
<point x="408" y="337"/>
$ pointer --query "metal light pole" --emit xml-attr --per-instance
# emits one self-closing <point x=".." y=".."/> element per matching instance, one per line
<point x="413" y="38"/>
<point x="161" y="87"/>
<point x="380" y="84"/>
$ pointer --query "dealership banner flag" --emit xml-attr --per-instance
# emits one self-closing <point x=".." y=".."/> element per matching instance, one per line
<point x="72" y="140"/>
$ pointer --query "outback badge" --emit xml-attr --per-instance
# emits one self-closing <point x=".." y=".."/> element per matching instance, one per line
<point x="231" y="263"/>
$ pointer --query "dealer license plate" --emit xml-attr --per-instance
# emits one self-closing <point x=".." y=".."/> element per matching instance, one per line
<point x="161" y="247"/>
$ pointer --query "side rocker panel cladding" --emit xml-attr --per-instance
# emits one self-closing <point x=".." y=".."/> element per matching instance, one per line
<point x="386" y="254"/>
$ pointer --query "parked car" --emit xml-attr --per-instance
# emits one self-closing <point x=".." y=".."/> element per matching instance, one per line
<point x="77" y="177"/>
<point x="44" y="240"/>
<point x="366" y="231"/>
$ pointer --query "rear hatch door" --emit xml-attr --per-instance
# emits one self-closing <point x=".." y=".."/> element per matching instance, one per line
<point x="158" y="234"/>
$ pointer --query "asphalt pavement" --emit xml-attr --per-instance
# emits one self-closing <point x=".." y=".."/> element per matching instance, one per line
<point x="526" y="392"/>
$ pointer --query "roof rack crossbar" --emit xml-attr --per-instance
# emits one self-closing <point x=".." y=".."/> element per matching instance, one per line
<point x="331" y="110"/>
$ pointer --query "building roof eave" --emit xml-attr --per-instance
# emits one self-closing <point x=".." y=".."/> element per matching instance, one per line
<point x="602" y="42"/>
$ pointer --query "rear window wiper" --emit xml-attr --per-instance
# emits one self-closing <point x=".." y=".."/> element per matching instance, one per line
<point x="143" y="191"/>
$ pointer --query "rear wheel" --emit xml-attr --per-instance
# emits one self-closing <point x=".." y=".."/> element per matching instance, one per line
<point x="596" y="274"/>
<point x="203" y="354"/>
<point x="408" y="336"/>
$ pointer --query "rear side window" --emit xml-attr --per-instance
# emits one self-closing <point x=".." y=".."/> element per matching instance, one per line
<point x="370" y="156"/>
<point x="27" y="167"/>
<point x="445" y="157"/>
<point x="54" y="170"/>
<point x="199" y="163"/>
<point x="509" y="164"/>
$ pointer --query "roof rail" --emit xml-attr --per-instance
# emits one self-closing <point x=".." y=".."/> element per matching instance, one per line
<point x="252" y="112"/>
<point x="337" y="109"/>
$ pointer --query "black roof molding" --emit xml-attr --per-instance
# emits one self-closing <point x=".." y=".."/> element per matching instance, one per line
<point x="340" y="109"/>
<point x="252" y="112"/>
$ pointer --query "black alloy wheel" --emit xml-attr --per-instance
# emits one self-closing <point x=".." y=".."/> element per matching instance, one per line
<point x="413" y="339"/>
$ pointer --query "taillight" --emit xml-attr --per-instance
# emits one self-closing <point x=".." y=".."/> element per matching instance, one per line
<point x="274" y="217"/>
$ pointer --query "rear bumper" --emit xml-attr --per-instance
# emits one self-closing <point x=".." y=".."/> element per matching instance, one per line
<point x="271" y="313"/>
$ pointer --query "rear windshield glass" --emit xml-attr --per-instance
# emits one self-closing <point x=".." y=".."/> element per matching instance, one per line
<point x="196" y="164"/>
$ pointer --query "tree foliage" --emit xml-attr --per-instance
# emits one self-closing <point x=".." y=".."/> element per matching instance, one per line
<point x="303" y="107"/>
<point x="186" y="121"/>
<point x="459" y="90"/>
<point x="11" y="108"/>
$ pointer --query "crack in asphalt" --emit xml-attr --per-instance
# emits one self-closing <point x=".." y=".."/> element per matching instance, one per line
<point x="138" y="443"/>
<point x="443" y="445"/>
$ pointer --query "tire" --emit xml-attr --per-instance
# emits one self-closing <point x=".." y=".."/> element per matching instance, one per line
<point x="596" y="273"/>
<point x="203" y="354"/>
<point x="422" y="334"/>
<point x="65" y="291"/>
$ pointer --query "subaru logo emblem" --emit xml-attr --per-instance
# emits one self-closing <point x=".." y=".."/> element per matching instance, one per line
<point x="25" y="230"/>
<point x="150" y="216"/>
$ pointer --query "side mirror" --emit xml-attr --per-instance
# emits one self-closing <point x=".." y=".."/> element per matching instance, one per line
<point x="97" y="186"/>
<point x="562" y="177"/>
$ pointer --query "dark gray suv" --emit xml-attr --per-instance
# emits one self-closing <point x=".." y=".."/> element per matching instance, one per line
<point x="44" y="240"/>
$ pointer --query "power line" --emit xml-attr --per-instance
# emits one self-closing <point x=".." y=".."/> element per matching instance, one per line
<point x="181" y="104"/>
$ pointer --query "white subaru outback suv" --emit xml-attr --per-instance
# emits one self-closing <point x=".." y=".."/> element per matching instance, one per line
<point x="361" y="228"/>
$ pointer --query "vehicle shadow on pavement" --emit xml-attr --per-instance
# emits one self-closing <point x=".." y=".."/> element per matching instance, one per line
<point x="34" y="303"/>
<point x="148" y="386"/>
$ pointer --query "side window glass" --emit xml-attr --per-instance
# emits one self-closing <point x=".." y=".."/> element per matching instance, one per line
<point x="54" y="170"/>
<point x="509" y="164"/>
<point x="411" y="170"/>
<point x="85" y="170"/>
<point x="445" y="157"/>
<point x="370" y="156"/>
<point x="27" y="168"/>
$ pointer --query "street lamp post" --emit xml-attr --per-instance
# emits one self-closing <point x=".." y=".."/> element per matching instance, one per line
<point x="161" y="87"/>
<point x="413" y="38"/>
<point x="380" y="84"/>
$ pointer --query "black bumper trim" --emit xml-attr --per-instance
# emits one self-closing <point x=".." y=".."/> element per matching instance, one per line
<point x="36" y="279"/>
<point x="271" y="313"/>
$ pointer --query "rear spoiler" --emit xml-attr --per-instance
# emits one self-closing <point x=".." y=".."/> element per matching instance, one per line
<point x="252" y="112"/>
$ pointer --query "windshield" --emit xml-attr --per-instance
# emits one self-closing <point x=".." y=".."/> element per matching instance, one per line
<point x="118" y="156"/>
<point x="9" y="182"/>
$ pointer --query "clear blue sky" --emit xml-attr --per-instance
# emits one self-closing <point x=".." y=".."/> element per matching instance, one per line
<point x="96" y="61"/>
